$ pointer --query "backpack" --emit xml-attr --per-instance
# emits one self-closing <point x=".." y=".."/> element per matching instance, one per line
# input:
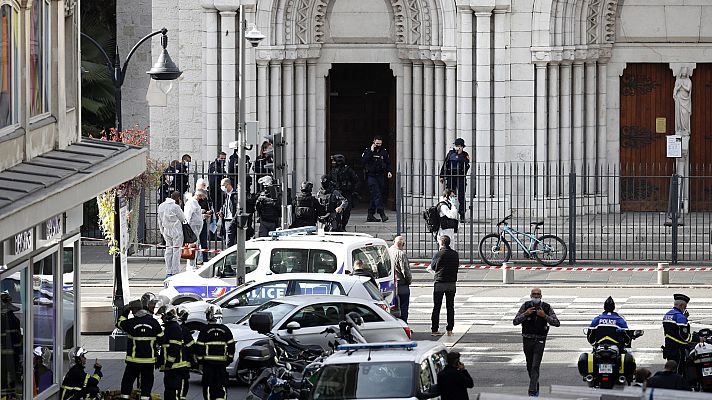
<point x="431" y="215"/>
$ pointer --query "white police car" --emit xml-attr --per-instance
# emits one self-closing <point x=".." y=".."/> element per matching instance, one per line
<point x="388" y="370"/>
<point x="288" y="251"/>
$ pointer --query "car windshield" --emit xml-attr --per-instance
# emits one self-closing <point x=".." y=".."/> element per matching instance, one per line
<point x="229" y="294"/>
<point x="278" y="310"/>
<point x="373" y="380"/>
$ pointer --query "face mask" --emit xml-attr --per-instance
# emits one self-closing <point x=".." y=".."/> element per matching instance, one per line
<point x="186" y="164"/>
<point x="223" y="188"/>
<point x="536" y="300"/>
<point x="376" y="148"/>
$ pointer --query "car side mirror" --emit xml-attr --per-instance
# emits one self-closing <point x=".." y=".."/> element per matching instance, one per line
<point x="430" y="393"/>
<point x="219" y="272"/>
<point x="293" y="326"/>
<point x="237" y="302"/>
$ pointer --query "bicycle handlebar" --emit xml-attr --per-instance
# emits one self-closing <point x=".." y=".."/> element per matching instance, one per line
<point x="508" y="217"/>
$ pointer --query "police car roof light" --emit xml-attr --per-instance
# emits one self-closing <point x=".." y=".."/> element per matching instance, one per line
<point x="377" y="346"/>
<point x="293" y="231"/>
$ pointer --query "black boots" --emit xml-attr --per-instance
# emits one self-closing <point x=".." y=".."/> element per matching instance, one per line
<point x="371" y="218"/>
<point x="384" y="218"/>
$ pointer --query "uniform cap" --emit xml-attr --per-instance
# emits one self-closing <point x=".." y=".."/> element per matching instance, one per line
<point x="680" y="296"/>
<point x="460" y="142"/>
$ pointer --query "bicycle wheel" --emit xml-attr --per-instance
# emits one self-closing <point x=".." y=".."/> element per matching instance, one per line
<point x="550" y="250"/>
<point x="494" y="250"/>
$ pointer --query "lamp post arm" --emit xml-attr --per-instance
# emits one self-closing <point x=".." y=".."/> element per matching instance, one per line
<point x="162" y="31"/>
<point x="109" y="64"/>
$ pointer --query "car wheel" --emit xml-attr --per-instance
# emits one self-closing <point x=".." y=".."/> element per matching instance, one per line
<point x="246" y="376"/>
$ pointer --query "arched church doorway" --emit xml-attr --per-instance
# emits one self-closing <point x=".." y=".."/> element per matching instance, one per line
<point x="361" y="103"/>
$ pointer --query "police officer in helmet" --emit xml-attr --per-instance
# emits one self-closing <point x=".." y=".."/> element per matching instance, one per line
<point x="333" y="204"/>
<point x="346" y="181"/>
<point x="307" y="208"/>
<point x="678" y="334"/>
<point x="454" y="171"/>
<point x="78" y="384"/>
<point x="609" y="327"/>
<point x="175" y="356"/>
<point x="215" y="350"/>
<point x="378" y="166"/>
<point x="269" y="206"/>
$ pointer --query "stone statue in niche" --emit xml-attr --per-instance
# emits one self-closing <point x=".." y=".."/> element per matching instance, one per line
<point x="683" y="102"/>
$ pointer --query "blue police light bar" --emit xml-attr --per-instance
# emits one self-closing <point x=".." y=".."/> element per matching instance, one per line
<point x="292" y="231"/>
<point x="377" y="346"/>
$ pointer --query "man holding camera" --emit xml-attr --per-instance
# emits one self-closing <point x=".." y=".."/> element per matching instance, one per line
<point x="535" y="316"/>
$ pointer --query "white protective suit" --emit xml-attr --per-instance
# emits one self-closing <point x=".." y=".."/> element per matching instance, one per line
<point x="448" y="210"/>
<point x="170" y="222"/>
<point x="194" y="214"/>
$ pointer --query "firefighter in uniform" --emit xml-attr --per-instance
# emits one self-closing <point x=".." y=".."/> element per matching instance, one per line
<point x="143" y="331"/>
<point x="269" y="205"/>
<point x="346" y="181"/>
<point x="677" y="332"/>
<point x="378" y="166"/>
<point x="78" y="383"/>
<point x="307" y="208"/>
<point x="333" y="205"/>
<point x="609" y="327"/>
<point x="174" y="359"/>
<point x="454" y="171"/>
<point x="215" y="349"/>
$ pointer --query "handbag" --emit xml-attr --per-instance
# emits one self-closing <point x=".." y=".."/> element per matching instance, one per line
<point x="188" y="234"/>
<point x="187" y="252"/>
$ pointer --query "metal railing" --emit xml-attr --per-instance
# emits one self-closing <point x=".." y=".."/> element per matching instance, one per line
<point x="614" y="213"/>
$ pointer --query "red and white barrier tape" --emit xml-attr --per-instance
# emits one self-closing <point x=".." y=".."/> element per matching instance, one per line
<point x="578" y="269"/>
<point x="158" y="246"/>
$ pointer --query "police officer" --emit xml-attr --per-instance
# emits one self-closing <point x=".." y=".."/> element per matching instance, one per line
<point x="609" y="327"/>
<point x="333" y="205"/>
<point x="346" y="181"/>
<point x="143" y="331"/>
<point x="215" y="349"/>
<point x="174" y="359"/>
<point x="378" y="166"/>
<point x="307" y="208"/>
<point x="454" y="171"/>
<point x="677" y="332"/>
<point x="269" y="205"/>
<point x="77" y="384"/>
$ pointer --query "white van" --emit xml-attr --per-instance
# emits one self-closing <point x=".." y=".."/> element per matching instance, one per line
<point x="287" y="251"/>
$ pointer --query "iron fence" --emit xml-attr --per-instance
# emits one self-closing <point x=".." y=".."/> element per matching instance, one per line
<point x="615" y="213"/>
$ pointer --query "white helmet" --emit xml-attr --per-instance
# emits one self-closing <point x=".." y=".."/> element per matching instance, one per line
<point x="43" y="353"/>
<point x="76" y="354"/>
<point x="213" y="314"/>
<point x="265" y="180"/>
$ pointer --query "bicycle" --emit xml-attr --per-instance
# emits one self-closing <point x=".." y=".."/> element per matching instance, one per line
<point x="548" y="250"/>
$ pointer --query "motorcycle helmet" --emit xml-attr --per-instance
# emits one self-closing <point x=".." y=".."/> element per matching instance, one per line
<point x="213" y="314"/>
<point x="306" y="187"/>
<point x="76" y="355"/>
<point x="609" y="305"/>
<point x="265" y="181"/>
<point x="325" y="181"/>
<point x="338" y="159"/>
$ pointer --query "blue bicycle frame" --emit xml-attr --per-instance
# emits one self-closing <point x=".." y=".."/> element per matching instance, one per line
<point x="532" y="240"/>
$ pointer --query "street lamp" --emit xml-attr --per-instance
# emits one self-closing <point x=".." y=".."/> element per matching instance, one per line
<point x="254" y="37"/>
<point x="163" y="70"/>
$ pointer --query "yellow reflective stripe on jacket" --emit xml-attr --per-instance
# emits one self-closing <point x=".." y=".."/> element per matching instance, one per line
<point x="674" y="339"/>
<point x="139" y="360"/>
<point x="215" y="358"/>
<point x="86" y="379"/>
<point x="133" y="357"/>
<point x="607" y="338"/>
<point x="590" y="363"/>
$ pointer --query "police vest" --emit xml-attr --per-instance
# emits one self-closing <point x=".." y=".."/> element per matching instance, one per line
<point x="268" y="208"/>
<point x="305" y="208"/>
<point x="377" y="164"/>
<point x="344" y="178"/>
<point x="534" y="324"/>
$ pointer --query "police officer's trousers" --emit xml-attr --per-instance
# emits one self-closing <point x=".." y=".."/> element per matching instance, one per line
<point x="175" y="382"/>
<point x="533" y="351"/>
<point x="377" y="187"/>
<point x="134" y="370"/>
<point x="677" y="354"/>
<point x="214" y="381"/>
<point x="266" y="227"/>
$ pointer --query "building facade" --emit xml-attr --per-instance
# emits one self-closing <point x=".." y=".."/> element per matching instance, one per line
<point x="46" y="173"/>
<point x="568" y="84"/>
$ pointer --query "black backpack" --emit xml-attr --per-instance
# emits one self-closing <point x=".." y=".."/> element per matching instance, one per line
<point x="431" y="215"/>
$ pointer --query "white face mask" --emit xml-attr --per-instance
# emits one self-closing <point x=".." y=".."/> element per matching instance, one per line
<point x="453" y="200"/>
<point x="223" y="188"/>
<point x="536" y="300"/>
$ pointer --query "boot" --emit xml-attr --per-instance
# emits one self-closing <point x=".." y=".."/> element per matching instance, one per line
<point x="384" y="218"/>
<point x="371" y="218"/>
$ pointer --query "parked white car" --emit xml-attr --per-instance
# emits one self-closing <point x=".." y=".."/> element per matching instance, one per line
<point x="308" y="316"/>
<point x="287" y="252"/>
<point x="381" y="371"/>
<point x="243" y="299"/>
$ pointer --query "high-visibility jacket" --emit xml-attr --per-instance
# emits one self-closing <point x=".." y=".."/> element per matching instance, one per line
<point x="142" y="330"/>
<point x="215" y="345"/>
<point x="77" y="382"/>
<point x="176" y="345"/>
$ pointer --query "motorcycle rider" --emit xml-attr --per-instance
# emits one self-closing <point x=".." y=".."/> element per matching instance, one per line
<point x="678" y="334"/>
<point x="334" y="204"/>
<point x="307" y="207"/>
<point x="143" y="331"/>
<point x="78" y="384"/>
<point x="609" y="327"/>
<point x="215" y="349"/>
<point x="346" y="182"/>
<point x="174" y="360"/>
<point x="269" y="205"/>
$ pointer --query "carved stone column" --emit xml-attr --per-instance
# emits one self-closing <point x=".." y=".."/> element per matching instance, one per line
<point x="483" y="124"/>
<point x="565" y="122"/>
<point x="228" y="72"/>
<point x="428" y="124"/>
<point x="311" y="121"/>
<point x="418" y="160"/>
<point x="440" y="138"/>
<point x="300" y="119"/>
<point x="553" y="137"/>
<point x="288" y="110"/>
<point x="590" y="127"/>
<point x="210" y="82"/>
<point x="450" y="104"/>
<point x="263" y="97"/>
<point x="541" y="143"/>
<point x="407" y="150"/>
<point x="465" y="95"/>
<point x="578" y="110"/>
<point x="275" y="96"/>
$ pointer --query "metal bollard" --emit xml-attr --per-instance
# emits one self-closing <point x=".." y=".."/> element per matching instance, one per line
<point x="507" y="273"/>
<point x="663" y="274"/>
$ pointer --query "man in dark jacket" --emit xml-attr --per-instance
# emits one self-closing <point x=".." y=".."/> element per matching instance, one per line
<point x="444" y="266"/>
<point x="78" y="383"/>
<point x="346" y="181"/>
<point x="678" y="334"/>
<point x="307" y="208"/>
<point x="454" y="380"/>
<point x="668" y="378"/>
<point x="216" y="173"/>
<point x="215" y="349"/>
<point x="378" y="165"/>
<point x="175" y="356"/>
<point x="535" y="317"/>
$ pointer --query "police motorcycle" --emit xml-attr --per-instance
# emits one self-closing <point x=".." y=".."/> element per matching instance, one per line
<point x="281" y="378"/>
<point x="699" y="362"/>
<point x="606" y="365"/>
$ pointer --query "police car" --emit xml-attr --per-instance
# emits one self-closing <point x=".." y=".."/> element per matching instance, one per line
<point x="299" y="250"/>
<point x="388" y="370"/>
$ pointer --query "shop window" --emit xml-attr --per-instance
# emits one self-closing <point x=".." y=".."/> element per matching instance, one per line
<point x="39" y="57"/>
<point x="68" y="304"/>
<point x="13" y="308"/>
<point x="9" y="67"/>
<point x="44" y="314"/>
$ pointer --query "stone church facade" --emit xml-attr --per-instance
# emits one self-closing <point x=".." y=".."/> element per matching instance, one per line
<point x="587" y="83"/>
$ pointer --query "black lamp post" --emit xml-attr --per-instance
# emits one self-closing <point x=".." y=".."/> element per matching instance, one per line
<point x="164" y="69"/>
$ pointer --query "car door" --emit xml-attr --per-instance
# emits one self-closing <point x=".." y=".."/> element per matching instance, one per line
<point x="247" y="300"/>
<point x="313" y="319"/>
<point x="375" y="328"/>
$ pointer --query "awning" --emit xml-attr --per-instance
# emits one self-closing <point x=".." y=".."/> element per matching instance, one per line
<point x="49" y="184"/>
